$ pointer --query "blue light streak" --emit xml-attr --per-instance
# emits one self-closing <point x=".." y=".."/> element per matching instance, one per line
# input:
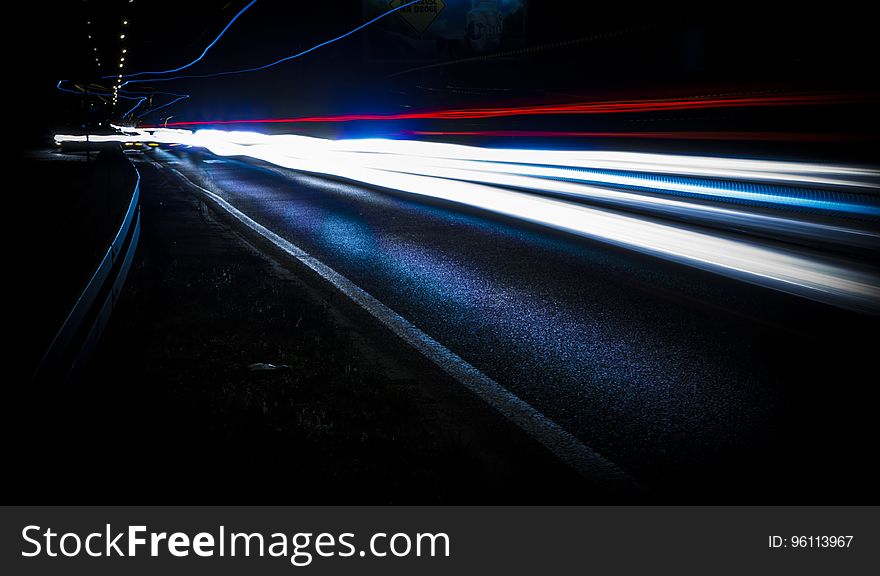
<point x="151" y="110"/>
<point x="227" y="73"/>
<point x="286" y="58"/>
<point x="202" y="55"/>
<point x="141" y="101"/>
<point x="128" y="95"/>
<point x="745" y="193"/>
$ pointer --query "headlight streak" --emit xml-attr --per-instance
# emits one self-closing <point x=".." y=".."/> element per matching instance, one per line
<point x="711" y="167"/>
<point x="506" y="175"/>
<point x="515" y="183"/>
<point x="477" y="171"/>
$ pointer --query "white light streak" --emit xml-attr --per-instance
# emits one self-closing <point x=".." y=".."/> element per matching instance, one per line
<point x="515" y="183"/>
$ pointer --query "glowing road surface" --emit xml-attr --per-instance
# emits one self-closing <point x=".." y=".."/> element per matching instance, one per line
<point x="754" y="220"/>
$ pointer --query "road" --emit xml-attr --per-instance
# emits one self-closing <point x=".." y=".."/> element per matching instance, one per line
<point x="687" y="381"/>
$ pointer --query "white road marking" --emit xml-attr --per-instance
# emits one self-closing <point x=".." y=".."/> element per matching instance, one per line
<point x="583" y="459"/>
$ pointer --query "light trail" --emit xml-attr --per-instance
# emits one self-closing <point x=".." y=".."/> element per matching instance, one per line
<point x="286" y="58"/>
<point x="527" y="185"/>
<point x="136" y="106"/>
<point x="702" y="166"/>
<point x="126" y="95"/>
<point x="715" y="135"/>
<point x="154" y="108"/>
<point x="179" y="97"/>
<point x="562" y="184"/>
<point x="641" y="180"/>
<point x="202" y="55"/>
<point x="579" y="108"/>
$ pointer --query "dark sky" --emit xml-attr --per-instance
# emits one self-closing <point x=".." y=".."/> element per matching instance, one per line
<point x="570" y="49"/>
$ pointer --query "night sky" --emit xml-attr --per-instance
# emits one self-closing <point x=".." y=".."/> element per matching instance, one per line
<point x="561" y="51"/>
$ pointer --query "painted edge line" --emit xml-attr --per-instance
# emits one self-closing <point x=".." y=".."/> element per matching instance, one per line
<point x="583" y="459"/>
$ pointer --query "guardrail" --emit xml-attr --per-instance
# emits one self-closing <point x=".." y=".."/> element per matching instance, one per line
<point x="75" y="341"/>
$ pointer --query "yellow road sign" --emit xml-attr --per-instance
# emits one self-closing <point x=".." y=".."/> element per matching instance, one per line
<point x="421" y="15"/>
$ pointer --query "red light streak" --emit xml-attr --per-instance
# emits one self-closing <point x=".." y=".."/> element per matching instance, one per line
<point x="684" y="135"/>
<point x="605" y="107"/>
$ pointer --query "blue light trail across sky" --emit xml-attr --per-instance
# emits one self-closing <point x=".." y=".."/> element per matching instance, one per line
<point x="286" y="58"/>
<point x="202" y="55"/>
<point x="60" y="84"/>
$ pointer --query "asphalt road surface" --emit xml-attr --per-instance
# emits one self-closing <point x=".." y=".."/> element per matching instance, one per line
<point x="687" y="381"/>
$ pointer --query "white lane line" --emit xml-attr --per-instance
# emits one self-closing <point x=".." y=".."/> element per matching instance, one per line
<point x="586" y="461"/>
